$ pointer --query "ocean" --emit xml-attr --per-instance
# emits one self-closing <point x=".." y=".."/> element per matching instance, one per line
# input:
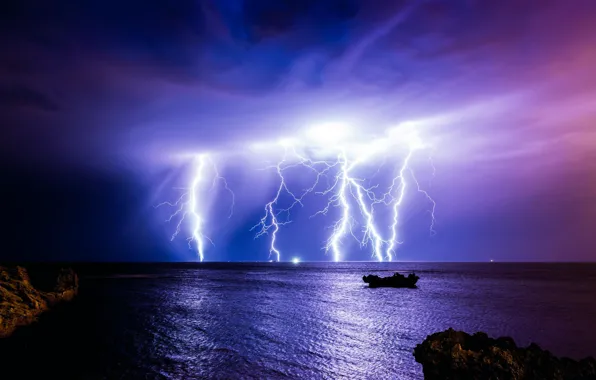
<point x="283" y="320"/>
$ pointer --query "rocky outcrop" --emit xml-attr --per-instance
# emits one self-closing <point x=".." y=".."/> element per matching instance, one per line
<point x="21" y="303"/>
<point x="456" y="355"/>
<point x="395" y="281"/>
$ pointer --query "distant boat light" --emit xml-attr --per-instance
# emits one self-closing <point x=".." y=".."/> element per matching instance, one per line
<point x="296" y="260"/>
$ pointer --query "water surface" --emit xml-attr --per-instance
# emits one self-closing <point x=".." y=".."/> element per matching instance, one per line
<point x="311" y="320"/>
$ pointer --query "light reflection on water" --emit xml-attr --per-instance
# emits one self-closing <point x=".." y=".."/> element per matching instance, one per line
<point x="320" y="321"/>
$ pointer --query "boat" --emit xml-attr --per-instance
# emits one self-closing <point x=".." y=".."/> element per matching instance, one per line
<point x="395" y="281"/>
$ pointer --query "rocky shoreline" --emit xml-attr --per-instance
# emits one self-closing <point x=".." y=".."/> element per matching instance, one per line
<point x="456" y="355"/>
<point x="21" y="303"/>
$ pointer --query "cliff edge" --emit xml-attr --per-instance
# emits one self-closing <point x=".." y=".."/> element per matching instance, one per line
<point x="21" y="303"/>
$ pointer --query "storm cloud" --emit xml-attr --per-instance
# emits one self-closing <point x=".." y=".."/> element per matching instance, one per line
<point x="505" y="90"/>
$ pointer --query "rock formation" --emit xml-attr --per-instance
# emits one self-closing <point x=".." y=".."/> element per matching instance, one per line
<point x="21" y="303"/>
<point x="395" y="281"/>
<point x="456" y="355"/>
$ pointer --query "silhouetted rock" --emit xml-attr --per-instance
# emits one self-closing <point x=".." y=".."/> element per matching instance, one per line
<point x="456" y="355"/>
<point x="66" y="287"/>
<point x="21" y="302"/>
<point x="395" y="281"/>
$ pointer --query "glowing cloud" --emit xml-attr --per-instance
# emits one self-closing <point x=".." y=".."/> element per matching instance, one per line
<point x="329" y="133"/>
<point x="347" y="192"/>
<point x="357" y="199"/>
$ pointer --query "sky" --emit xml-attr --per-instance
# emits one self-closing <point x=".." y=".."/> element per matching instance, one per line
<point x="103" y="105"/>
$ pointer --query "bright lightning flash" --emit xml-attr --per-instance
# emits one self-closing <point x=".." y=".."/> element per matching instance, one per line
<point x="348" y="193"/>
<point x="190" y="205"/>
<point x="270" y="222"/>
<point x="338" y="160"/>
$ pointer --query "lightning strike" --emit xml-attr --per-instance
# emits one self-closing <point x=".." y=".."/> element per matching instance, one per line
<point x="270" y="221"/>
<point x="397" y="202"/>
<point x="190" y="204"/>
<point x="344" y="224"/>
<point x="348" y="193"/>
<point x="197" y="231"/>
<point x="355" y="198"/>
<point x="415" y="144"/>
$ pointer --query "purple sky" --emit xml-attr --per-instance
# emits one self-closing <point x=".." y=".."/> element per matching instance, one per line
<point x="117" y="94"/>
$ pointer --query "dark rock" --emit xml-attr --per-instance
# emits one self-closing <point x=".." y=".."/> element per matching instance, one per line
<point x="67" y="285"/>
<point x="21" y="303"/>
<point x="395" y="281"/>
<point x="456" y="355"/>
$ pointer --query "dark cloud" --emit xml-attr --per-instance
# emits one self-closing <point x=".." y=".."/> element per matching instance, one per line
<point x="23" y="96"/>
<point x="158" y="68"/>
<point x="271" y="18"/>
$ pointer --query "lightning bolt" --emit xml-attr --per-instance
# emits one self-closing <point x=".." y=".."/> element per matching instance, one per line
<point x="189" y="205"/>
<point x="345" y="223"/>
<point x="349" y="187"/>
<point x="270" y="222"/>
<point x="400" y="183"/>
<point x="356" y="200"/>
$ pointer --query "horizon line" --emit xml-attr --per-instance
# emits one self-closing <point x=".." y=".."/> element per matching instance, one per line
<point x="290" y="262"/>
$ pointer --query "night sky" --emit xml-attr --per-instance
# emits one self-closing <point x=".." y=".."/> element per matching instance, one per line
<point x="103" y="102"/>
